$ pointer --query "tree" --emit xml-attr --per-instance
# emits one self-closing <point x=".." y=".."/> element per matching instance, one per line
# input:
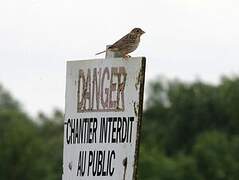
<point x="28" y="150"/>
<point x="192" y="125"/>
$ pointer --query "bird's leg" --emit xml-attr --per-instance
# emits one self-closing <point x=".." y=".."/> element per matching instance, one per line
<point x="126" y="57"/>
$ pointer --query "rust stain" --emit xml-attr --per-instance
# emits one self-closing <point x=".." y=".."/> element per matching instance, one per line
<point x="138" y="79"/>
<point x="136" y="107"/>
<point x="140" y="85"/>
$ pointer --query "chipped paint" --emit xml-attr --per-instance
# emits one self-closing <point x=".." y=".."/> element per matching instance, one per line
<point x="101" y="89"/>
<point x="70" y="165"/>
<point x="125" y="162"/>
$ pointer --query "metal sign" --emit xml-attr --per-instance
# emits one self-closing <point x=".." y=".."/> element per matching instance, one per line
<point x="103" y="113"/>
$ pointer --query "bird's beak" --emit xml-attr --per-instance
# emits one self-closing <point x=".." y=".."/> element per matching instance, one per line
<point x="142" y="32"/>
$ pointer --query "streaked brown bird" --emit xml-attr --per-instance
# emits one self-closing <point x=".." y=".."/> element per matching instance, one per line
<point x="126" y="44"/>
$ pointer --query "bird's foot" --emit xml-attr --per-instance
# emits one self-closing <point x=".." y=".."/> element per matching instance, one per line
<point x="126" y="57"/>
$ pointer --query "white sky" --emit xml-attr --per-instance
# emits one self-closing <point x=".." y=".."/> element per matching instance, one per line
<point x="186" y="39"/>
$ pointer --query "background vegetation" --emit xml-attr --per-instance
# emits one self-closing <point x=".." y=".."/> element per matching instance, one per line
<point x="189" y="132"/>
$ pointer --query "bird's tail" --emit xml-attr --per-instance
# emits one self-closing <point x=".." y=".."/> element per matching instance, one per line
<point x="100" y="52"/>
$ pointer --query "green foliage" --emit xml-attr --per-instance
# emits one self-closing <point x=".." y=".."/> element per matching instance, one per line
<point x="6" y="101"/>
<point x="216" y="156"/>
<point x="28" y="150"/>
<point x="194" y="128"/>
<point x="189" y="132"/>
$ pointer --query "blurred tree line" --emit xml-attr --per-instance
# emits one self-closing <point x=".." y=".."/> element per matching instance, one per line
<point x="190" y="131"/>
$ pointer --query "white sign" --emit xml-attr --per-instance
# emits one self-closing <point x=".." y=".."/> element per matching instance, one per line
<point x="103" y="113"/>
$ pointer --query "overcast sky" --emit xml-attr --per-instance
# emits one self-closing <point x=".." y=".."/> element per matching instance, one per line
<point x="185" y="39"/>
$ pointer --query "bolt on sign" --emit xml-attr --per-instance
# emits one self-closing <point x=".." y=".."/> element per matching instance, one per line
<point x="103" y="113"/>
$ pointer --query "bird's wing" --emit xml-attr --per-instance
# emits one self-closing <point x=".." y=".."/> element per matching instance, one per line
<point x="124" y="41"/>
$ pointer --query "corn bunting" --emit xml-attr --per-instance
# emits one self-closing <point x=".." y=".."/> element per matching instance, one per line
<point x="126" y="44"/>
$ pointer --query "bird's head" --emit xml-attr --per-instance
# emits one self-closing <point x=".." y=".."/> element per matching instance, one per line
<point x="137" y="31"/>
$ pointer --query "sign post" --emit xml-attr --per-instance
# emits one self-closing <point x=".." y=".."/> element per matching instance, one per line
<point x="103" y="113"/>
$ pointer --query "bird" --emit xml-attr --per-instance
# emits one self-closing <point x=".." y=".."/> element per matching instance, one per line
<point x="126" y="44"/>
